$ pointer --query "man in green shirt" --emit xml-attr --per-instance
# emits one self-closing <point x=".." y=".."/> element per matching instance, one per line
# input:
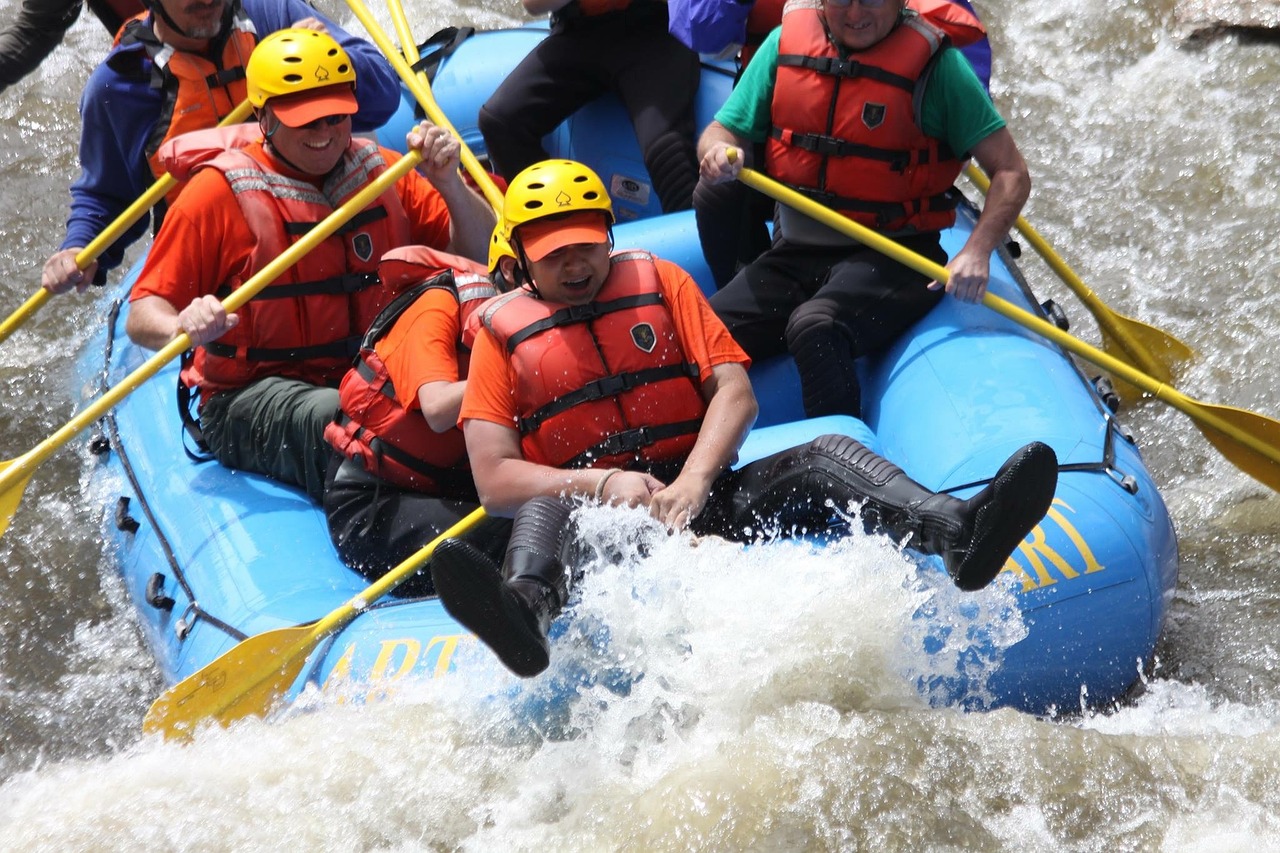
<point x="865" y="108"/>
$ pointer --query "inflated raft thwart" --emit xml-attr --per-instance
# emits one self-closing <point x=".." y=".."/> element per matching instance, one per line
<point x="211" y="556"/>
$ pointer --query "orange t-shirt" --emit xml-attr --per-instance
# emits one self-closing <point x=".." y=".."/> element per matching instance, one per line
<point x="491" y="382"/>
<point x="422" y="346"/>
<point x="205" y="240"/>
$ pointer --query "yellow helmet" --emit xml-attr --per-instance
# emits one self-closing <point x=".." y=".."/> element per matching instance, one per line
<point x="551" y="188"/>
<point x="499" y="248"/>
<point x="295" y="60"/>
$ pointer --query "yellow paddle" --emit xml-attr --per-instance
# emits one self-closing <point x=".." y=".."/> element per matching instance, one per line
<point x="1248" y="440"/>
<point x="421" y="90"/>
<point x="112" y="232"/>
<point x="15" y="473"/>
<point x="1145" y="347"/>
<point x="249" y="679"/>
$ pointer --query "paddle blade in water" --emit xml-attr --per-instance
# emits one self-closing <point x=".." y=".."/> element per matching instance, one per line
<point x="248" y="680"/>
<point x="1244" y="427"/>
<point x="10" y="497"/>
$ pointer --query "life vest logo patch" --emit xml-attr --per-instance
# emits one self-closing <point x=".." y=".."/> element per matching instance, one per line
<point x="643" y="335"/>
<point x="873" y="115"/>
<point x="362" y="245"/>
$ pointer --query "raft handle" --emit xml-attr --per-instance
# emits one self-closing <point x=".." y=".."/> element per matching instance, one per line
<point x="1056" y="315"/>
<point x="155" y="593"/>
<point x="124" y="521"/>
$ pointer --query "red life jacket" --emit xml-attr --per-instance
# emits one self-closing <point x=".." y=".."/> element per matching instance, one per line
<point x="198" y="92"/>
<point x="846" y="130"/>
<point x="373" y="428"/>
<point x="308" y="323"/>
<point x="604" y="384"/>
<point x="600" y="7"/>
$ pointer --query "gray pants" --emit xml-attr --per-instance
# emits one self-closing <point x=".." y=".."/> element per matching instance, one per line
<point x="274" y="426"/>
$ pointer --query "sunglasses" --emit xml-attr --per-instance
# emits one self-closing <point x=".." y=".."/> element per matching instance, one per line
<point x="328" y="121"/>
<point x="866" y="4"/>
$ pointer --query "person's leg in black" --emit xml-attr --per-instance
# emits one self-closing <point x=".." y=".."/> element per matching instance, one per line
<point x="375" y="526"/>
<point x="37" y="29"/>
<point x="866" y="302"/>
<point x="791" y="490"/>
<point x="557" y="77"/>
<point x="757" y="303"/>
<point x="656" y="77"/>
<point x="510" y="609"/>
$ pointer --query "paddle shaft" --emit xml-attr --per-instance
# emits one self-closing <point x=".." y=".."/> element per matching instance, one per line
<point x="19" y="469"/>
<point x="422" y="92"/>
<point x="113" y="232"/>
<point x="1132" y="375"/>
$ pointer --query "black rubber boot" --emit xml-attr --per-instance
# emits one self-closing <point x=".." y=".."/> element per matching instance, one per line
<point x="975" y="536"/>
<point x="797" y="488"/>
<point x="510" y="610"/>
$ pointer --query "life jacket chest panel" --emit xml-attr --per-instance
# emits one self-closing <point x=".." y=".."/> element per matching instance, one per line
<point x="605" y="384"/>
<point x="846" y="128"/>
<point x="198" y="91"/>
<point x="308" y="323"/>
<point x="390" y="440"/>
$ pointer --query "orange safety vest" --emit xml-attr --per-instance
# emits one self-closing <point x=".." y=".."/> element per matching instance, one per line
<point x="387" y="439"/>
<point x="604" y="384"/>
<point x="761" y="20"/>
<point x="198" y="91"/>
<point x="308" y="323"/>
<point x="845" y="127"/>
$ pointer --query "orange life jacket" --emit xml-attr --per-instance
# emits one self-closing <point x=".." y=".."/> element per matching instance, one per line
<point x="761" y="20"/>
<point x="604" y="384"/>
<point x="373" y="428"/>
<point x="308" y="323"/>
<point x="199" y="91"/>
<point x="845" y="128"/>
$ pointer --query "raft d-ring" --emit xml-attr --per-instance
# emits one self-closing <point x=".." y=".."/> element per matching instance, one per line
<point x="1126" y="481"/>
<point x="183" y="626"/>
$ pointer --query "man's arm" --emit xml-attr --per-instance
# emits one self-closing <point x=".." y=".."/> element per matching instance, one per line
<point x="471" y="220"/>
<point x="1000" y="158"/>
<point x="506" y="481"/>
<point x="731" y="411"/>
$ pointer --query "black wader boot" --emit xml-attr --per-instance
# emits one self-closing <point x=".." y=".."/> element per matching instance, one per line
<point x="974" y="537"/>
<point x="510" y="610"/>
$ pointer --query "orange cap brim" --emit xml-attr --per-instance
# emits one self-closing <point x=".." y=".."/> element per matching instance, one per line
<point x="306" y="107"/>
<point x="542" y="237"/>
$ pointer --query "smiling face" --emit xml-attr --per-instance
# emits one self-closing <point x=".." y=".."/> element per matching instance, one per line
<point x="314" y="148"/>
<point x="858" y="27"/>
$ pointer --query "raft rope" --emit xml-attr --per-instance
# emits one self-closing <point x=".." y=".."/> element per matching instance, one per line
<point x="113" y="436"/>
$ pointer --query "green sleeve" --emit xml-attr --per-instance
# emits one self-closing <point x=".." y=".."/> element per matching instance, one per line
<point x="956" y="108"/>
<point x="746" y="112"/>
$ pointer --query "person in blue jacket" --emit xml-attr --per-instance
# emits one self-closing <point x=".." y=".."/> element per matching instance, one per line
<point x="179" y="67"/>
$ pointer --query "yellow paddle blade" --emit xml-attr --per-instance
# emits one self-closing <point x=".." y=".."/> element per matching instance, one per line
<point x="1258" y="464"/>
<point x="11" y="496"/>
<point x="248" y="680"/>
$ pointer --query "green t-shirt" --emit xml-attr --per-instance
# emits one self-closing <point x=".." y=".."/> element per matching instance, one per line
<point x="956" y="108"/>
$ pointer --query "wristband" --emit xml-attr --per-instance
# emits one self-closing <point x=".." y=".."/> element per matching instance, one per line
<point x="603" y="480"/>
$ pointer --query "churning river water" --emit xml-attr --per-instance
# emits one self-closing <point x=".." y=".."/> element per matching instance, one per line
<point x="1155" y="166"/>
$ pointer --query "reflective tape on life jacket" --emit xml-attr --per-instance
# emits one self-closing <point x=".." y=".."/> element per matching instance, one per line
<point x="846" y="127"/>
<point x="198" y="92"/>
<point x="603" y="384"/>
<point x="389" y="440"/>
<point x="308" y="323"/>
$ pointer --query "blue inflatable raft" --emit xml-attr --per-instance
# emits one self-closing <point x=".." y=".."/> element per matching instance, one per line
<point x="211" y="556"/>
